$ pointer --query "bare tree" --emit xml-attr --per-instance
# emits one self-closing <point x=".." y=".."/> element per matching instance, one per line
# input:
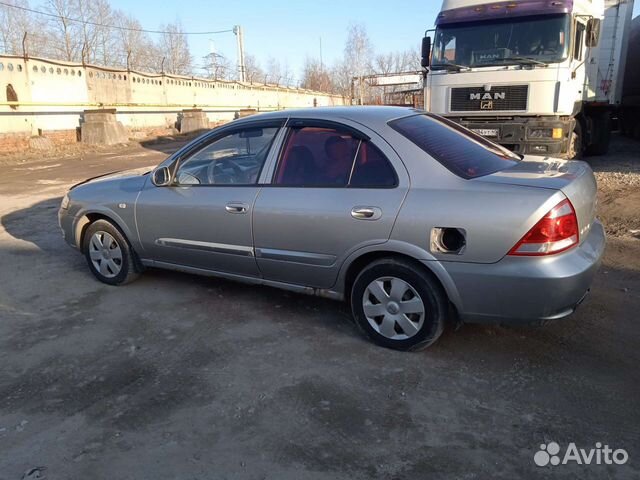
<point x="88" y="32"/>
<point x="254" y="72"/>
<point x="287" y="74"/>
<point x="315" y="77"/>
<point x="175" y="48"/>
<point x="100" y="40"/>
<point x="342" y="76"/>
<point x="389" y="63"/>
<point x="66" y="37"/>
<point x="80" y="32"/>
<point x="273" y="71"/>
<point x="14" y="23"/>
<point x="407" y="61"/>
<point x="358" y="52"/>
<point x="386" y="63"/>
<point x="133" y="48"/>
<point x="276" y="72"/>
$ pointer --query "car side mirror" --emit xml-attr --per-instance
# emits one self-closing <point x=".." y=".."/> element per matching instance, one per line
<point x="426" y="52"/>
<point x="161" y="177"/>
<point x="593" y="32"/>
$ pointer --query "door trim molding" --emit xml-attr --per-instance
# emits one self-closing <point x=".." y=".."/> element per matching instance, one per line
<point x="206" y="246"/>
<point x="305" y="258"/>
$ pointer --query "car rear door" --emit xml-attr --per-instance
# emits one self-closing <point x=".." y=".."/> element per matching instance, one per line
<point x="203" y="219"/>
<point x="335" y="188"/>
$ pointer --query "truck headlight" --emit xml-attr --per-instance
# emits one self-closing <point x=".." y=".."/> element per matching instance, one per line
<point x="65" y="202"/>
<point x="555" y="133"/>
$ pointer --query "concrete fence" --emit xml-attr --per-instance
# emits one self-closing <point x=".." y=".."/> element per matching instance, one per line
<point x="42" y="97"/>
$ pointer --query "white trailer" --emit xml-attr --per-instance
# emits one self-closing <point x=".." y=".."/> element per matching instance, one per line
<point x="541" y="77"/>
<point x="630" y="109"/>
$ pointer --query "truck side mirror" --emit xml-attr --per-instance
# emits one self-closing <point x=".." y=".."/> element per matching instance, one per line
<point x="426" y="52"/>
<point x="593" y="32"/>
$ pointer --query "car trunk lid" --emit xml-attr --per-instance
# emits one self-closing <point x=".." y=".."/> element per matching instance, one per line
<point x="574" y="178"/>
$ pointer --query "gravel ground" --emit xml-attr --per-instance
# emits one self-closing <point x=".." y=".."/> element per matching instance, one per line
<point x="618" y="176"/>
<point x="183" y="377"/>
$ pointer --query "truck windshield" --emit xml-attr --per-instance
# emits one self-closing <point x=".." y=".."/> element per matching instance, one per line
<point x="528" y="40"/>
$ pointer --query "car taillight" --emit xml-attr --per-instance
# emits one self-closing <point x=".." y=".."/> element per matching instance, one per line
<point x="555" y="232"/>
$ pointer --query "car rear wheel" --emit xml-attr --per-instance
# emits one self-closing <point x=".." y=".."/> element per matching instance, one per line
<point x="398" y="305"/>
<point x="108" y="254"/>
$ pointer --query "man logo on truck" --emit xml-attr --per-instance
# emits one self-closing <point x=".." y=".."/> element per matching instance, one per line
<point x="488" y="96"/>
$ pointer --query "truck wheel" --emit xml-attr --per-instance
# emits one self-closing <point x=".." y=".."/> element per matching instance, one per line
<point x="575" y="143"/>
<point x="601" y="134"/>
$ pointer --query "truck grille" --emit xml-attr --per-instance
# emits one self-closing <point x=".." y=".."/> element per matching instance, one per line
<point x="476" y="99"/>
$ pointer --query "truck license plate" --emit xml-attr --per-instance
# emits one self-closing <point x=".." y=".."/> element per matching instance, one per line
<point x="486" y="132"/>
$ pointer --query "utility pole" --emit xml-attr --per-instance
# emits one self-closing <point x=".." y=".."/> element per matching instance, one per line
<point x="242" y="71"/>
<point x="321" y="68"/>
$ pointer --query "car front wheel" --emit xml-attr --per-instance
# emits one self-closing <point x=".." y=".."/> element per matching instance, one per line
<point x="398" y="305"/>
<point x="108" y="254"/>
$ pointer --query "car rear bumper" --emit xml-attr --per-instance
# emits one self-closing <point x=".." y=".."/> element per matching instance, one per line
<point x="527" y="289"/>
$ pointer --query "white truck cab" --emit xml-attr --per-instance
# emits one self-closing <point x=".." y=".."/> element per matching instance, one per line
<point x="540" y="77"/>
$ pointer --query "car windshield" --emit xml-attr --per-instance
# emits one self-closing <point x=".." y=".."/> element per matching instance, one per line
<point x="462" y="151"/>
<point x="515" y="41"/>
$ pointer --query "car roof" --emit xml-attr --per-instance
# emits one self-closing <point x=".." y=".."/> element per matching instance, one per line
<point x="366" y="115"/>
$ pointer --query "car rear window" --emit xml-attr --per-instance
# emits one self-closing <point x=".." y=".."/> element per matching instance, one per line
<point x="465" y="153"/>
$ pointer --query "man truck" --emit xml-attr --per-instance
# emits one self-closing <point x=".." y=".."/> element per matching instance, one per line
<point x="541" y="77"/>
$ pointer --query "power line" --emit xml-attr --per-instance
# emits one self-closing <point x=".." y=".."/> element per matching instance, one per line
<point x="103" y="25"/>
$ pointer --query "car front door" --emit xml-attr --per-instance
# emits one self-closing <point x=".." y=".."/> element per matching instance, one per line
<point x="203" y="218"/>
<point x="335" y="189"/>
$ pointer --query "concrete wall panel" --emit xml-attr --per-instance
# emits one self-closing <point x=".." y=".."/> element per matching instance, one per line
<point x="52" y="96"/>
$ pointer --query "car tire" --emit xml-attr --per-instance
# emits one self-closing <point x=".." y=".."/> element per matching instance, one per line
<point x="109" y="255"/>
<point x="398" y="304"/>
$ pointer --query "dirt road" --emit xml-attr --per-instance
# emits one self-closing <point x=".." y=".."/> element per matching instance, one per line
<point x="182" y="377"/>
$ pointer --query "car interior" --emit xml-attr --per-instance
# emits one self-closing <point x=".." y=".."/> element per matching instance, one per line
<point x="234" y="159"/>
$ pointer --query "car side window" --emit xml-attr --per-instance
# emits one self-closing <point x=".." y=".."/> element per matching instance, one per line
<point x="234" y="159"/>
<point x="372" y="168"/>
<point x="317" y="157"/>
<point x="331" y="157"/>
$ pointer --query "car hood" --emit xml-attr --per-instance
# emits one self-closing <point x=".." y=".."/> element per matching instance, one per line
<point x="117" y="175"/>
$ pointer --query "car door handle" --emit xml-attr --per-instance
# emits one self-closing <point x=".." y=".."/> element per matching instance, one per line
<point x="234" y="207"/>
<point x="366" y="213"/>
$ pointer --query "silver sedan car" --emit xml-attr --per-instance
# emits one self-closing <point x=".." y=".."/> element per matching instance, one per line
<point x="407" y="216"/>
